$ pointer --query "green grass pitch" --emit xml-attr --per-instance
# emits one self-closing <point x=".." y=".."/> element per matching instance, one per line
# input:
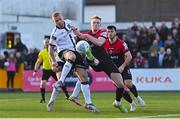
<point x="26" y="105"/>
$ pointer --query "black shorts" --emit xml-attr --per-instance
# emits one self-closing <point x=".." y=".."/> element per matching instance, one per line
<point x="80" y="62"/>
<point x="126" y="74"/>
<point x="106" y="65"/>
<point x="47" y="74"/>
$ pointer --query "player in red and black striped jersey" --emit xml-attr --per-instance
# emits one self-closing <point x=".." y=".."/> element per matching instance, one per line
<point x="101" y="61"/>
<point x="121" y="56"/>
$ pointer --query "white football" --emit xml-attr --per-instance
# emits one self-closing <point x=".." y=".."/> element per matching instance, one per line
<point x="82" y="47"/>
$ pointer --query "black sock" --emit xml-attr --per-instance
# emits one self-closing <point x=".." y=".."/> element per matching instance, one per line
<point x="127" y="97"/>
<point x="65" y="91"/>
<point x="119" y="93"/>
<point x="43" y="93"/>
<point x="134" y="90"/>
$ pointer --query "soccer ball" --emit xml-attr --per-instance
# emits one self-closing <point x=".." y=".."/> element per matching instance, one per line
<point x="82" y="47"/>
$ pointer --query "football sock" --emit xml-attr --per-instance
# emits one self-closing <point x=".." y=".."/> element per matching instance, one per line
<point x="66" y="69"/>
<point x="77" y="89"/>
<point x="117" y="102"/>
<point x="134" y="90"/>
<point x="86" y="92"/>
<point x="42" y="93"/>
<point x="127" y="97"/>
<point x="53" y="95"/>
<point x="89" y="55"/>
<point x="65" y="91"/>
<point x="119" y="93"/>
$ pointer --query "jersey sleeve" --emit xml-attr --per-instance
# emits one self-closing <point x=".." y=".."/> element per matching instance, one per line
<point x="68" y="26"/>
<point x="40" y="57"/>
<point x="103" y="34"/>
<point x="53" y="38"/>
<point x="125" y="47"/>
<point x="68" y="21"/>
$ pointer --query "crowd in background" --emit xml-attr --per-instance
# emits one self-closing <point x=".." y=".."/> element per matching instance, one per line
<point x="157" y="46"/>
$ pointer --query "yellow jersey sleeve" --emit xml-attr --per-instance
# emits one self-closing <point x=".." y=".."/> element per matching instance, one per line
<point x="44" y="58"/>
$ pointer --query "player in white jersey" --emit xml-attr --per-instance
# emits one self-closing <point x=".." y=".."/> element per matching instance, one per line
<point x="63" y="38"/>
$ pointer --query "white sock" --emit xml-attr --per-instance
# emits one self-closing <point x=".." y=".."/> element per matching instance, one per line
<point x="53" y="95"/>
<point x="117" y="102"/>
<point x="86" y="92"/>
<point x="138" y="97"/>
<point x="77" y="89"/>
<point x="66" y="69"/>
<point x="132" y="103"/>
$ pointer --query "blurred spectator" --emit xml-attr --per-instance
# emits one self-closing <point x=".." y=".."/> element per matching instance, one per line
<point x="20" y="47"/>
<point x="1" y="62"/>
<point x="6" y="55"/>
<point x="19" y="60"/>
<point x="169" y="59"/>
<point x="144" y="45"/>
<point x="176" y="39"/>
<point x="163" y="32"/>
<point x="153" y="34"/>
<point x="170" y="43"/>
<point x="161" y="55"/>
<point x="31" y="58"/>
<point x="154" y="48"/>
<point x="133" y="46"/>
<point x="153" y="60"/>
<point x="138" y="61"/>
<point x="11" y="70"/>
<point x="153" y="25"/>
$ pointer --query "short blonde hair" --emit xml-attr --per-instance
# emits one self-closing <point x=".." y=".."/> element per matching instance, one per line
<point x="96" y="17"/>
<point x="55" y="14"/>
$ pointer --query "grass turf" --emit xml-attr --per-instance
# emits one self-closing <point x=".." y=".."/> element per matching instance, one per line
<point x="26" y="105"/>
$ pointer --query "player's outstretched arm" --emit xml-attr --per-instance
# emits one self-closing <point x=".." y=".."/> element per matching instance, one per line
<point x="52" y="58"/>
<point x="97" y="41"/>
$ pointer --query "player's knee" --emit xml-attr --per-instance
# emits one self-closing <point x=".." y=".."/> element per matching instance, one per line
<point x="129" y="84"/>
<point x="71" y="56"/>
<point x="83" y="77"/>
<point x="43" y="84"/>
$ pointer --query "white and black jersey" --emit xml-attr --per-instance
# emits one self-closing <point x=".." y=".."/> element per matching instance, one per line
<point x="63" y="38"/>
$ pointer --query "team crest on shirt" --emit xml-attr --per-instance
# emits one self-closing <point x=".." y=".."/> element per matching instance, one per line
<point x="69" y="26"/>
<point x="110" y="51"/>
<point x="53" y="37"/>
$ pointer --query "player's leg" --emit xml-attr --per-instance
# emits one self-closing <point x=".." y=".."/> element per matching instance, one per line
<point x="112" y="71"/>
<point x="53" y="95"/>
<point x="8" y="79"/>
<point x="128" y="98"/>
<point x="133" y="89"/>
<point x="42" y="90"/>
<point x="45" y="77"/>
<point x="55" y="75"/>
<point x="91" y="59"/>
<point x="75" y="93"/>
<point x="119" y="91"/>
<point x="126" y="74"/>
<point x="70" y="58"/>
<point x="12" y="80"/>
<point x="82" y="75"/>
